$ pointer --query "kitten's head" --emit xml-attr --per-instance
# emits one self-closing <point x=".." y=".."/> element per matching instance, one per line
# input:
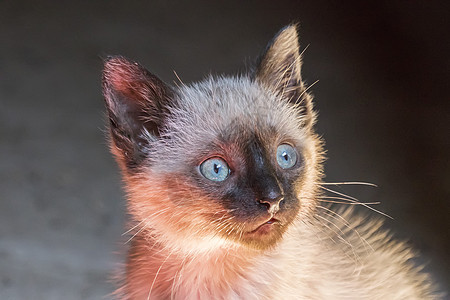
<point x="226" y="161"/>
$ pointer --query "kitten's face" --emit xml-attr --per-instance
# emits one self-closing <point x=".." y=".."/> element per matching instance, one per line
<point x="224" y="161"/>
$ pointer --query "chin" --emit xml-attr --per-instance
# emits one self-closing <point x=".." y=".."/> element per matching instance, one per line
<point x="263" y="241"/>
<point x="262" y="236"/>
<point x="264" y="232"/>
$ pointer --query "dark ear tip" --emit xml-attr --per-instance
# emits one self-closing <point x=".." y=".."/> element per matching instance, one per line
<point x="110" y="57"/>
<point x="118" y="71"/>
<point x="114" y="61"/>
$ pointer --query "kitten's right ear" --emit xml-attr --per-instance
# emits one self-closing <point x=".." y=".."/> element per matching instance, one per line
<point x="137" y="105"/>
<point x="279" y="69"/>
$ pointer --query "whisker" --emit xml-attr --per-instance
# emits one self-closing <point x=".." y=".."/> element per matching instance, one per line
<point x="304" y="50"/>
<point x="354" y="199"/>
<point x="157" y="273"/>
<point x="145" y="219"/>
<point x="137" y="232"/>
<point x="350" y="183"/>
<point x="355" y="255"/>
<point x="349" y="203"/>
<point x="179" y="79"/>
<point x="346" y="199"/>
<point x="147" y="222"/>
<point x="290" y="76"/>
<point x="176" y="282"/>
<point x="346" y="224"/>
<point x="135" y="226"/>
<point x="304" y="92"/>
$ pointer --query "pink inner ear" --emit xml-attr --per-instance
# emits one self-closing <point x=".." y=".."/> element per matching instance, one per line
<point x="127" y="78"/>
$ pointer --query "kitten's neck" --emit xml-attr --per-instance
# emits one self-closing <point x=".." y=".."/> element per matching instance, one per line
<point x="160" y="272"/>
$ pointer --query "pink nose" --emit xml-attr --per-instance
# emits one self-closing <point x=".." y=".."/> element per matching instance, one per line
<point x="272" y="203"/>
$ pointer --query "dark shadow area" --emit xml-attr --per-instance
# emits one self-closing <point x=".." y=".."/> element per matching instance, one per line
<point x="383" y="101"/>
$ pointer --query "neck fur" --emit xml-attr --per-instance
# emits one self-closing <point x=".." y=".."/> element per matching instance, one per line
<point x="155" y="272"/>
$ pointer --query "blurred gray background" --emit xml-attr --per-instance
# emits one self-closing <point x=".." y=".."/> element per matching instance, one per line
<point x="383" y="99"/>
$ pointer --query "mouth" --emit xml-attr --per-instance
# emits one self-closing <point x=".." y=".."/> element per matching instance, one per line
<point x="266" y="227"/>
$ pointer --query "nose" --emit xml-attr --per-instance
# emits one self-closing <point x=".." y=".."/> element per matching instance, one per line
<point x="272" y="200"/>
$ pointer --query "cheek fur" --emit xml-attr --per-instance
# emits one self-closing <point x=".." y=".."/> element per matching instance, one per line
<point x="307" y="187"/>
<point x="173" y="209"/>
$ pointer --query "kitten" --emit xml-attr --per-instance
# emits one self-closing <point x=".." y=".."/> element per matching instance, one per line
<point x="224" y="189"/>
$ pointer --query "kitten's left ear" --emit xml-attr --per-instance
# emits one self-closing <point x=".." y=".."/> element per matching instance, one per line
<point x="279" y="69"/>
<point x="137" y="103"/>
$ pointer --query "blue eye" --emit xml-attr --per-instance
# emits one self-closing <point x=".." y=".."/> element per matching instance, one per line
<point x="286" y="156"/>
<point x="215" y="169"/>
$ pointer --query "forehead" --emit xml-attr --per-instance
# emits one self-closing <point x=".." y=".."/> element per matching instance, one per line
<point x="217" y="105"/>
<point x="227" y="110"/>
